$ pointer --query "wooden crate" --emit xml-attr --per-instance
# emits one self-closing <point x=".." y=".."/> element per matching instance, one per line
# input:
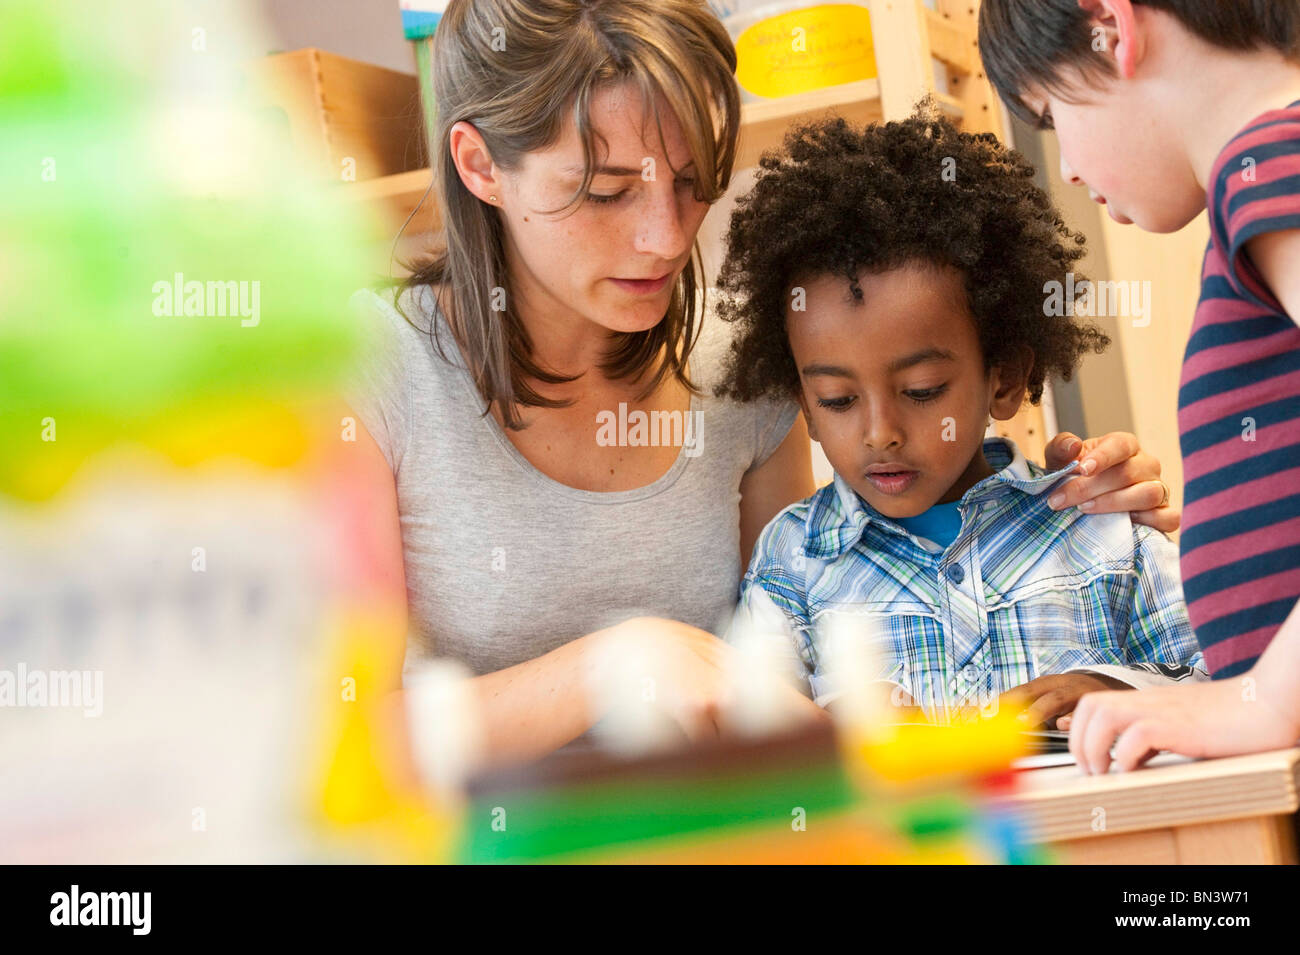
<point x="352" y="121"/>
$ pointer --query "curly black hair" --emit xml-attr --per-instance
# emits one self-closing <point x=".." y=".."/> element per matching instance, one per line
<point x="843" y="200"/>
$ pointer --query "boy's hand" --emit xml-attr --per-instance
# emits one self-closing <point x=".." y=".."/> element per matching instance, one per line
<point x="1222" y="718"/>
<point x="1116" y="475"/>
<point x="1054" y="695"/>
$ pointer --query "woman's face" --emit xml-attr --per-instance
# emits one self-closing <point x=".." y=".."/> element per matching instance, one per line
<point x="615" y="258"/>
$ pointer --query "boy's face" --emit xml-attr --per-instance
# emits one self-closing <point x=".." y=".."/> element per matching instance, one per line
<point x="895" y="387"/>
<point x="1125" y="154"/>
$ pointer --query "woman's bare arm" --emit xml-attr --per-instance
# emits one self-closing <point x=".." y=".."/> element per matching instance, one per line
<point x="526" y="710"/>
<point x="778" y="482"/>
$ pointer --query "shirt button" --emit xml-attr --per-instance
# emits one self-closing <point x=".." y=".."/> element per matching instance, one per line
<point x="955" y="573"/>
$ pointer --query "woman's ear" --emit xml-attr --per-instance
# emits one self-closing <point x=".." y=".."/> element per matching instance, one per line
<point x="1008" y="384"/>
<point x="474" y="163"/>
<point x="1115" y="32"/>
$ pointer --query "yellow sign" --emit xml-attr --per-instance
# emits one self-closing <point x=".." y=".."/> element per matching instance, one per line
<point x="807" y="49"/>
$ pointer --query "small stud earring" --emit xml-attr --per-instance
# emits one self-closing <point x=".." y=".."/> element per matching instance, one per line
<point x="492" y="198"/>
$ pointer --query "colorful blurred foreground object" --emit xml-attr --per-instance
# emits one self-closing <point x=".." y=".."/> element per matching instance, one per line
<point x="907" y="794"/>
<point x="168" y="280"/>
<point x="872" y="791"/>
<point x="179" y="543"/>
<point x="366" y="799"/>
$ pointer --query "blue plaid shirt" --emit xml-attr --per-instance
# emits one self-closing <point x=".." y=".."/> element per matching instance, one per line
<point x="1023" y="591"/>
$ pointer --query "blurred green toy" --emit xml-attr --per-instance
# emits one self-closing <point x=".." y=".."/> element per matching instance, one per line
<point x="169" y="279"/>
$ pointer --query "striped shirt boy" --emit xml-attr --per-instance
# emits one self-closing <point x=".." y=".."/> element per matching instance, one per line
<point x="1239" y="410"/>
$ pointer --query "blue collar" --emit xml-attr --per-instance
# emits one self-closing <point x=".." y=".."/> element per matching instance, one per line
<point x="838" y="517"/>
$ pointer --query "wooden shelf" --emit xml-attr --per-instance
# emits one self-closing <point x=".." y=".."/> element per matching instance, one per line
<point x="763" y="125"/>
<point x="396" y="196"/>
<point x="403" y="185"/>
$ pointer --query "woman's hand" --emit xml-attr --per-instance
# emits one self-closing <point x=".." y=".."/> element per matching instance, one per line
<point x="688" y="674"/>
<point x="1222" y="718"/>
<point x="1115" y="475"/>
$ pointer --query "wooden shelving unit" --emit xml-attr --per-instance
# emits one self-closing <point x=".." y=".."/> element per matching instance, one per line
<point x="398" y="195"/>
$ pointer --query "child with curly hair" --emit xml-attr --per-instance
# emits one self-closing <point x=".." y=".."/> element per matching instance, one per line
<point x="894" y="280"/>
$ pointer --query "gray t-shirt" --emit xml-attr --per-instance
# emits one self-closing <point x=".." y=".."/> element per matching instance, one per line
<point x="504" y="564"/>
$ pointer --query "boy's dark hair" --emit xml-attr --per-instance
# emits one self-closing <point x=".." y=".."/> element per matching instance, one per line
<point x="842" y="200"/>
<point x="1032" y="43"/>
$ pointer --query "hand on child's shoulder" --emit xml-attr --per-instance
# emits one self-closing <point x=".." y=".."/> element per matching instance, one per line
<point x="1115" y="475"/>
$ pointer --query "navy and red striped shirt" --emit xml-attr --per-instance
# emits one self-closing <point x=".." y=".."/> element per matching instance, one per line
<point x="1239" y="409"/>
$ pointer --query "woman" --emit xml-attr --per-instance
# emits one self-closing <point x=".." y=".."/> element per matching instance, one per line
<point x="578" y="148"/>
